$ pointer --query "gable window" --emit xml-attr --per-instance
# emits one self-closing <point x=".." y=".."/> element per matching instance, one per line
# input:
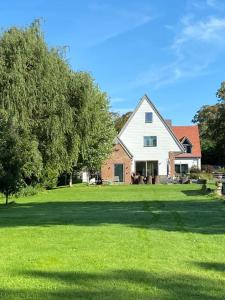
<point x="148" y="117"/>
<point x="150" y="141"/>
<point x="187" y="146"/>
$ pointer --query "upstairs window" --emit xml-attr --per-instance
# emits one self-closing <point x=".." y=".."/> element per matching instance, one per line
<point x="148" y="117"/>
<point x="150" y="141"/>
<point x="187" y="146"/>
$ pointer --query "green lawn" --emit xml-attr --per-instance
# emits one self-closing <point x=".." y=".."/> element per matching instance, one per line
<point x="113" y="242"/>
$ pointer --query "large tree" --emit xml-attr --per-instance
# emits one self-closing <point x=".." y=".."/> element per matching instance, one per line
<point x="33" y="88"/>
<point x="211" y="122"/>
<point x="204" y="118"/>
<point x="92" y="121"/>
<point x="63" y="111"/>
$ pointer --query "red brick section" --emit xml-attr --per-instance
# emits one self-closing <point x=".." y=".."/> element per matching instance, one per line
<point x="192" y="133"/>
<point x="172" y="165"/>
<point x="118" y="156"/>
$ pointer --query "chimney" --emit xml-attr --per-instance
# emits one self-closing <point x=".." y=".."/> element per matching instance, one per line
<point x="169" y="123"/>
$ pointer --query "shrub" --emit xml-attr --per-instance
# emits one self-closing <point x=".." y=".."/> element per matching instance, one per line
<point x="50" y="178"/>
<point x="221" y="170"/>
<point x="195" y="170"/>
<point x="194" y="175"/>
<point x="28" y="190"/>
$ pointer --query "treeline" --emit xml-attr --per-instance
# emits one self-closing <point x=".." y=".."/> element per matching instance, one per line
<point x="52" y="119"/>
<point x="211" y="122"/>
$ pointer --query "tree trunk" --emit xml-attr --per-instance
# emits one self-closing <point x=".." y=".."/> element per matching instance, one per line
<point x="65" y="179"/>
<point x="6" y="198"/>
<point x="71" y="180"/>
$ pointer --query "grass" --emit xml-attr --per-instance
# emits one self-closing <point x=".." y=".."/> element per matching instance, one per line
<point x="113" y="242"/>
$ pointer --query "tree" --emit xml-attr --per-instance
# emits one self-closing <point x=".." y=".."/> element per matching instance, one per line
<point x="211" y="121"/>
<point x="120" y="120"/>
<point x="33" y="88"/>
<point x="65" y="112"/>
<point x="92" y="122"/>
<point x="19" y="156"/>
<point x="204" y="118"/>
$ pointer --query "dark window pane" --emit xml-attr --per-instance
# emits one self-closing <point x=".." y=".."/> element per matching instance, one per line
<point x="177" y="169"/>
<point x="150" y="141"/>
<point x="148" y="117"/>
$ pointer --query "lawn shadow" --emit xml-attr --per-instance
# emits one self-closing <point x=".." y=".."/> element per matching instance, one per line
<point x="211" y="266"/>
<point x="119" y="284"/>
<point x="201" y="216"/>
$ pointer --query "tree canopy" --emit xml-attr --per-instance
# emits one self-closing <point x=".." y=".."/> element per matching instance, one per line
<point x="211" y="121"/>
<point x="64" y="113"/>
<point x="120" y="120"/>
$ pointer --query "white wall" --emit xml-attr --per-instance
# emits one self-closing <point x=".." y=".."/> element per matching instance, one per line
<point x="191" y="162"/>
<point x="133" y="137"/>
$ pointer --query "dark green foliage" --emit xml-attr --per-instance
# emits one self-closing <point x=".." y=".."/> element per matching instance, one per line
<point x="93" y="124"/>
<point x="33" y="88"/>
<point x="29" y="190"/>
<point x="210" y="120"/>
<point x="63" y="114"/>
<point x="19" y="157"/>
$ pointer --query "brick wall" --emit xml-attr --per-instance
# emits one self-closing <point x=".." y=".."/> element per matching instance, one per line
<point x="118" y="156"/>
<point x="172" y="164"/>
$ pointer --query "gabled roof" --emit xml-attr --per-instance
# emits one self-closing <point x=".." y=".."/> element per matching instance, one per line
<point x="117" y="140"/>
<point x="192" y="134"/>
<point x="145" y="97"/>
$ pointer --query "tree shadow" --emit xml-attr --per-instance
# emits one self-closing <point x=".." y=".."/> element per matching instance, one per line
<point x="211" y="266"/>
<point x="202" y="216"/>
<point x="193" y="193"/>
<point x="118" y="284"/>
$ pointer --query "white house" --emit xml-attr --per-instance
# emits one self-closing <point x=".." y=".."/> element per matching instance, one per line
<point x="148" y="145"/>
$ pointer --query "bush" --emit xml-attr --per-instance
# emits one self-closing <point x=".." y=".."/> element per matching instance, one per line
<point x="28" y="190"/>
<point x="195" y="170"/>
<point x="207" y="176"/>
<point x="50" y="178"/>
<point x="221" y="170"/>
<point x="194" y="175"/>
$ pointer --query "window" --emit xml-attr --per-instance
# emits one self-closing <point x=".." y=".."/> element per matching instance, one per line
<point x="148" y="117"/>
<point x="181" y="169"/>
<point x="187" y="148"/>
<point x="150" y="141"/>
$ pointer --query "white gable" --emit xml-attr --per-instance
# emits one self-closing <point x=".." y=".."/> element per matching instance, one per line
<point x="132" y="135"/>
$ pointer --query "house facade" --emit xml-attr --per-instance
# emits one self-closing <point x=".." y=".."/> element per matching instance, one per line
<point x="148" y="145"/>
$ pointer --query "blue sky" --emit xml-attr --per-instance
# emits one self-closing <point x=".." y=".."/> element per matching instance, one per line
<point x="172" y="50"/>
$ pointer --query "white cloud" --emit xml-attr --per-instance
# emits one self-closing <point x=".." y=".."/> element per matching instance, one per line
<point x="196" y="45"/>
<point x="209" y="30"/>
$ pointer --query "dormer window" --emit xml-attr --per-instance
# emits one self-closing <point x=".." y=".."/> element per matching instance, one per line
<point x="148" y="117"/>
<point x="187" y="145"/>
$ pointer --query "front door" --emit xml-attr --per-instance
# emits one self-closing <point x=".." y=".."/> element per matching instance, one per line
<point x="118" y="172"/>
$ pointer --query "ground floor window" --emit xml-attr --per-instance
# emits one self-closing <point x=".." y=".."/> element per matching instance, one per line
<point x="118" y="173"/>
<point x="181" y="168"/>
<point x="146" y="168"/>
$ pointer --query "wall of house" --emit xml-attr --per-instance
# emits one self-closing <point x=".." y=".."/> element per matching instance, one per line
<point x="133" y="137"/>
<point x="118" y="156"/>
<point x="191" y="162"/>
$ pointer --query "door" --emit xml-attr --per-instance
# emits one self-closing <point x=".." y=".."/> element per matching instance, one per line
<point x="118" y="172"/>
<point x="152" y="168"/>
